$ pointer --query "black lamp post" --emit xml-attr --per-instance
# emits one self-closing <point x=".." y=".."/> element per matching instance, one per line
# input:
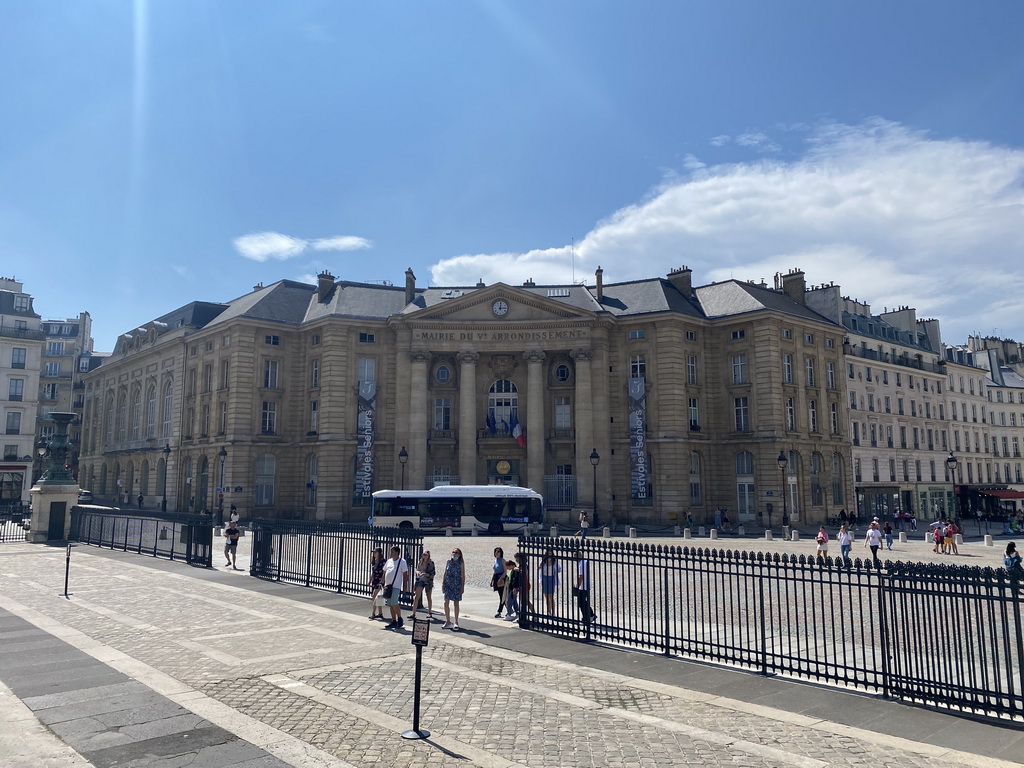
<point x="223" y="453"/>
<point x="167" y="456"/>
<point x="403" y="456"/>
<point x="783" y="463"/>
<point x="595" y="459"/>
<point x="952" y="464"/>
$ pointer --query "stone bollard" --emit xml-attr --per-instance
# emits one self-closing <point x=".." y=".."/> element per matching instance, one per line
<point x="785" y="532"/>
<point x="632" y="533"/>
<point x="701" y="531"/>
<point x="903" y="537"/>
<point x="740" y="531"/>
<point x="679" y="531"/>
<point x="554" y="531"/>
<point x="794" y="536"/>
<point x="769" y="536"/>
<point x="959" y="539"/>
<point x="687" y="533"/>
<point x="988" y="540"/>
<point x="607" y="532"/>
<point x="449" y="531"/>
<point x="474" y="532"/>
<point x="714" y="533"/>
<point x="928" y="538"/>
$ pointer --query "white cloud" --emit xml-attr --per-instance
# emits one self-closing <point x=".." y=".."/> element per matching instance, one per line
<point x="720" y="141"/>
<point x="890" y="214"/>
<point x="261" y="246"/>
<point x="757" y="140"/>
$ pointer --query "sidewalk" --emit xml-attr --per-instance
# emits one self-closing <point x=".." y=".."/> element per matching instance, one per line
<point x="159" y="664"/>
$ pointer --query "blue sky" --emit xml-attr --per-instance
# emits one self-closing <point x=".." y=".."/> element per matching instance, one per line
<point x="161" y="151"/>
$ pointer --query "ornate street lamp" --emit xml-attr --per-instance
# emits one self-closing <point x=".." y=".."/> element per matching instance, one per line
<point x="167" y="456"/>
<point x="403" y="456"/>
<point x="223" y="453"/>
<point x="783" y="463"/>
<point x="952" y="464"/>
<point x="595" y="459"/>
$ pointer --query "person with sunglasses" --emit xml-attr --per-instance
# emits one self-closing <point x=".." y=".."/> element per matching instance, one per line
<point x="453" y="585"/>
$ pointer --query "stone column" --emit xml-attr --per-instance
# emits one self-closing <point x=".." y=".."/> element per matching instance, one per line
<point x="468" y="422"/>
<point x="584" y="423"/>
<point x="535" y="441"/>
<point x="418" y="419"/>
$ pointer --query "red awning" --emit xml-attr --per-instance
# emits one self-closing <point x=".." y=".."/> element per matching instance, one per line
<point x="1004" y="494"/>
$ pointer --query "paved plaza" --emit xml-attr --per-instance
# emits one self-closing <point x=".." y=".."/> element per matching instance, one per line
<point x="151" y="663"/>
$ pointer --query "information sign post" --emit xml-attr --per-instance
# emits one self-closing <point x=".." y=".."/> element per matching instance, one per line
<point x="420" y="638"/>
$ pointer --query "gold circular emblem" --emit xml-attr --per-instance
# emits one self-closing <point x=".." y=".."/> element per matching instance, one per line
<point x="503" y="467"/>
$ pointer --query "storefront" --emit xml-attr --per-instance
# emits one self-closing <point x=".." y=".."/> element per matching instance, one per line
<point x="935" y="501"/>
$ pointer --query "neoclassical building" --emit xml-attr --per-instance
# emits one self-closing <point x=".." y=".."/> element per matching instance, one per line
<point x="301" y="400"/>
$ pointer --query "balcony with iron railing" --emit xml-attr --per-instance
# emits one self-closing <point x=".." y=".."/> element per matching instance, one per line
<point x="21" y="333"/>
<point x="906" y="360"/>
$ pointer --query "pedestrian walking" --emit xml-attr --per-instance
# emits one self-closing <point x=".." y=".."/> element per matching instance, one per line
<point x="843" y="518"/>
<point x="718" y="517"/>
<point x="231" y="534"/>
<point x="511" y="590"/>
<point x="525" y="602"/>
<point x="845" y="539"/>
<point x="822" y="539"/>
<point x="498" y="578"/>
<point x="394" y="569"/>
<point x="233" y="517"/>
<point x="549" y="570"/>
<point x="141" y="499"/>
<point x="873" y="539"/>
<point x="887" y="535"/>
<point x="424" y="584"/>
<point x="453" y="585"/>
<point x="582" y="589"/>
<point x="376" y="584"/>
<point x="584" y="524"/>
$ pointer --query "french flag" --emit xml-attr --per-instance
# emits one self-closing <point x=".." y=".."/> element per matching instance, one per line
<point x="517" y="432"/>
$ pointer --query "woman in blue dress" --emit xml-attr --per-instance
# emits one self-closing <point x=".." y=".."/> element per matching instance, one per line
<point x="453" y="585"/>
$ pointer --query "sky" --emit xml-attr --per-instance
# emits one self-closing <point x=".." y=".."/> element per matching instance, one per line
<point x="158" y="152"/>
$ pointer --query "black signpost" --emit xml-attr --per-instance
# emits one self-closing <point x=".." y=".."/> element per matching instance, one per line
<point x="420" y="638"/>
<point x="67" y="571"/>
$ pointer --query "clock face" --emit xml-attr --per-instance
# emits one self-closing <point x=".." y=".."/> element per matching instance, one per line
<point x="500" y="308"/>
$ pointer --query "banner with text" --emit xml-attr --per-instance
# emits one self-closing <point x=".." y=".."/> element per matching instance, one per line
<point x="366" y="427"/>
<point x="639" y="468"/>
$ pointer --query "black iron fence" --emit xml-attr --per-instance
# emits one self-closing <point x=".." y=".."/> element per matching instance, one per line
<point x="935" y="635"/>
<point x="14" y="523"/>
<point x="188" y="538"/>
<point x="333" y="556"/>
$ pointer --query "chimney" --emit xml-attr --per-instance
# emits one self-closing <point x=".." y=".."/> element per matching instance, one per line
<point x="258" y="286"/>
<point x="682" y="279"/>
<point x="324" y="284"/>
<point x="599" y="280"/>
<point x="410" y="286"/>
<point x="794" y="285"/>
<point x="528" y="283"/>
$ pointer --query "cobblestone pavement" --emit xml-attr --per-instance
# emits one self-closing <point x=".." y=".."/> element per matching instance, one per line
<point x="283" y="673"/>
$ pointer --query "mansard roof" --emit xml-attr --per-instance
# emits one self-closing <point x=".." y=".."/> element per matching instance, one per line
<point x="733" y="297"/>
<point x="640" y="297"/>
<point x="285" y="301"/>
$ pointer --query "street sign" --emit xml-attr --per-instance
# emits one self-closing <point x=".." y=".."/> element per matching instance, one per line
<point x="420" y="633"/>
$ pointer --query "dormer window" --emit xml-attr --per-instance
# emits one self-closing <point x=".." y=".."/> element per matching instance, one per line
<point x="21" y="303"/>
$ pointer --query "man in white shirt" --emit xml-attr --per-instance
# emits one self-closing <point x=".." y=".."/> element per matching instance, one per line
<point x="396" y="576"/>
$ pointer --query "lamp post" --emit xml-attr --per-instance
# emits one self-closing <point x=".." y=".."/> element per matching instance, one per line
<point x="595" y="459"/>
<point x="952" y="464"/>
<point x="403" y="456"/>
<point x="783" y="463"/>
<point x="167" y="456"/>
<point x="223" y="453"/>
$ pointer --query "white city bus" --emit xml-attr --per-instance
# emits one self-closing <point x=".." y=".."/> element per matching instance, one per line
<point x="492" y="508"/>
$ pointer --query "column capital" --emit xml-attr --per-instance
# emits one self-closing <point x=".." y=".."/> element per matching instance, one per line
<point x="534" y="356"/>
<point x="419" y="356"/>
<point x="467" y="357"/>
<point x="581" y="354"/>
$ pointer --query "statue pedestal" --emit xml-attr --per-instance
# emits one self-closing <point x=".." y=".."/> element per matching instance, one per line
<point x="51" y="512"/>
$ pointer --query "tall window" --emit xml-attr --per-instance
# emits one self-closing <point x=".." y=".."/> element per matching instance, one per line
<point x="817" y="496"/>
<point x="830" y="374"/>
<point x="809" y="368"/>
<point x="563" y="413"/>
<point x="266" y="472"/>
<point x="695" y="492"/>
<point x="223" y="423"/>
<point x="204" y="419"/>
<point x="122" y="419"/>
<point x="790" y="415"/>
<point x="746" y="502"/>
<point x="225" y="373"/>
<point x="314" y="374"/>
<point x="268" y="424"/>
<point x="136" y="415"/>
<point x="13" y="423"/>
<point x="742" y="413"/>
<point x="691" y="369"/>
<point x="739" y="369"/>
<point x="311" y="483"/>
<point x="367" y="369"/>
<point x="837" y="479"/>
<point x="151" y="413"/>
<point x="270" y="374"/>
<point x="18" y="356"/>
<point x="694" y="410"/>
<point x="812" y="413"/>
<point x="787" y="368"/>
<point x="503" y="404"/>
<point x="833" y="411"/>
<point x="208" y="377"/>
<point x="16" y="389"/>
<point x="638" y="367"/>
<point x="165" y="430"/>
<point x="442" y="413"/>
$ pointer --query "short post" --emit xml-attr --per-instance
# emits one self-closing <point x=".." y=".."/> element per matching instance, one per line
<point x="554" y="531"/>
<point x="67" y="572"/>
<point x="785" y="531"/>
<point x="420" y="638"/>
<point x="607" y="532"/>
<point x="714" y="533"/>
<point x="988" y="540"/>
<point x="927" y="538"/>
<point x="449" y="531"/>
<point x="632" y="533"/>
<point x="741" y="531"/>
<point x="794" y="535"/>
<point x="959" y="539"/>
<point x="769" y="536"/>
<point x="687" y="533"/>
<point x="701" y="531"/>
<point x="903" y="537"/>
<point x="678" y="531"/>
<point x="474" y="532"/>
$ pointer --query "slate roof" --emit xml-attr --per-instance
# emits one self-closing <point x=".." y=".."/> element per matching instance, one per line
<point x="877" y="327"/>
<point x="733" y="297"/>
<point x="282" y="302"/>
<point x="641" y="297"/>
<point x="7" y="305"/>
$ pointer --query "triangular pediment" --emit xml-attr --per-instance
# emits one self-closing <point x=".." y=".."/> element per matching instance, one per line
<point x="497" y="303"/>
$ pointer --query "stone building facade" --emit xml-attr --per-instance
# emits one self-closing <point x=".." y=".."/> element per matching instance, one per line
<point x="297" y="400"/>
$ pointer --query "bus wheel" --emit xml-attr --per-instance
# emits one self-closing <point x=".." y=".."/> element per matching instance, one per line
<point x="405" y="525"/>
<point x="495" y="528"/>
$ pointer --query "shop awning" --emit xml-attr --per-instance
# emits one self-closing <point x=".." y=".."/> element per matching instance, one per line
<point x="1004" y="494"/>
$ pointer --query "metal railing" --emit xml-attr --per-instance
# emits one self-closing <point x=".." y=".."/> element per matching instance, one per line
<point x="15" y="517"/>
<point x="934" y="635"/>
<point x="188" y="538"/>
<point x="332" y="556"/>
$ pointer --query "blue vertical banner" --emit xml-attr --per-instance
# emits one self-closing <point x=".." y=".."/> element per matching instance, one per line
<point x="366" y="425"/>
<point x="639" y="468"/>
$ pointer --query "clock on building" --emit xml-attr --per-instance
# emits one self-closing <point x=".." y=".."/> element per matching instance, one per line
<point x="503" y="467"/>
<point x="500" y="308"/>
